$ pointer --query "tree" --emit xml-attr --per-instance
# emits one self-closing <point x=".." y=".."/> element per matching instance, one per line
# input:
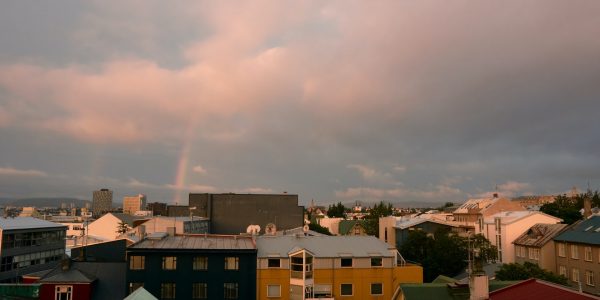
<point x="336" y="211"/>
<point x="122" y="228"/>
<point x="446" y="253"/>
<point x="318" y="228"/>
<point x="566" y="208"/>
<point x="371" y="223"/>
<point x="516" y="271"/>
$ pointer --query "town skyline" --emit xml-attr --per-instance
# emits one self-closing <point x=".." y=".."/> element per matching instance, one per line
<point x="333" y="101"/>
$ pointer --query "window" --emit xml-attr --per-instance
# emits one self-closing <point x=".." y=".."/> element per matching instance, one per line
<point x="522" y="251"/>
<point x="575" y="276"/>
<point x="63" y="292"/>
<point x="346" y="262"/>
<point x="346" y="289"/>
<point x="232" y="263"/>
<point x="136" y="262"/>
<point x="376" y="262"/>
<point x="376" y="289"/>
<point x="273" y="290"/>
<point x="561" y="250"/>
<point x="169" y="262"/>
<point x="588" y="253"/>
<point x="274" y="263"/>
<point x="230" y="290"/>
<point x="562" y="270"/>
<point x="589" y="278"/>
<point x="356" y="230"/>
<point x="134" y="286"/>
<point x="167" y="290"/>
<point x="199" y="290"/>
<point x="200" y="263"/>
<point x="534" y="253"/>
<point x="574" y="252"/>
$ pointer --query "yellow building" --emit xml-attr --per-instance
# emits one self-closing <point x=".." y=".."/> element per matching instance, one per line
<point x="131" y="204"/>
<point x="331" y="267"/>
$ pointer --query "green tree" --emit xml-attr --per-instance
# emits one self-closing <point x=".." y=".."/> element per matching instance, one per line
<point x="516" y="271"/>
<point x="318" y="228"/>
<point x="122" y="228"/>
<point x="336" y="211"/>
<point x="566" y="208"/>
<point x="372" y="219"/>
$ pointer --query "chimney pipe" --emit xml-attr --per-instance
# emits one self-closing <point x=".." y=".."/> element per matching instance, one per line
<point x="587" y="207"/>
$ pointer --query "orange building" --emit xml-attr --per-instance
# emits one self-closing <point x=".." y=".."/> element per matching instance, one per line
<point x="334" y="267"/>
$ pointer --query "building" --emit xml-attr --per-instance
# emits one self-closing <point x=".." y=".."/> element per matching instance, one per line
<point x="578" y="254"/>
<point x="106" y="227"/>
<point x="472" y="212"/>
<point x="102" y="202"/>
<point x="340" y="267"/>
<point x="536" y="289"/>
<point x="193" y="266"/>
<point x="181" y="224"/>
<point x="158" y="208"/>
<point x="29" y="245"/>
<point x="395" y="230"/>
<point x="441" y="290"/>
<point x="536" y="245"/>
<point x="352" y="227"/>
<point x="532" y="201"/>
<point x="132" y="204"/>
<point x="233" y="213"/>
<point x="503" y="228"/>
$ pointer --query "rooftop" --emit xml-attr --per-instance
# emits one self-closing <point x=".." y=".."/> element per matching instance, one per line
<point x="539" y="234"/>
<point x="508" y="217"/>
<point x="323" y="246"/>
<point x="471" y="204"/>
<point x="200" y="241"/>
<point x="585" y="232"/>
<point x="535" y="289"/>
<point x="26" y="223"/>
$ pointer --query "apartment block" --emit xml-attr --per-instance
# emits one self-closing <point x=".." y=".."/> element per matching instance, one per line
<point x="536" y="245"/>
<point x="331" y="267"/>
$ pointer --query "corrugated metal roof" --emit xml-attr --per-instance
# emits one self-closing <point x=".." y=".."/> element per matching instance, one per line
<point x="475" y="204"/>
<point x="141" y="294"/>
<point x="197" y="242"/>
<point x="536" y="289"/>
<point x="323" y="246"/>
<point x="26" y="223"/>
<point x="539" y="234"/>
<point x="585" y="232"/>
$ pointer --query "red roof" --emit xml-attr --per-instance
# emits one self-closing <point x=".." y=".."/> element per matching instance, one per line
<point x="534" y="289"/>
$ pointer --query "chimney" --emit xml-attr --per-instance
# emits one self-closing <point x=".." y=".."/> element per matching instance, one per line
<point x="65" y="264"/>
<point x="171" y="231"/>
<point x="479" y="286"/>
<point x="587" y="207"/>
<point x="142" y="231"/>
<point x="495" y="195"/>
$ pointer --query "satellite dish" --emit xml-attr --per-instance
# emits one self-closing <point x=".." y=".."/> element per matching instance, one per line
<point x="253" y="229"/>
<point x="270" y="229"/>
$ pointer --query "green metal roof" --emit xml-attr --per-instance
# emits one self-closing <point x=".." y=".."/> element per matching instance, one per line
<point x="584" y="232"/>
<point x="346" y="226"/>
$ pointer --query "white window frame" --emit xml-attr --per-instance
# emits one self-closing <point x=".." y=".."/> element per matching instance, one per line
<point x="62" y="290"/>
<point x="562" y="250"/>
<point x="269" y="286"/>
<point x="587" y="250"/>
<point x="574" y="251"/>
<point x="575" y="275"/>
<point x="562" y="270"/>
<point x="589" y="277"/>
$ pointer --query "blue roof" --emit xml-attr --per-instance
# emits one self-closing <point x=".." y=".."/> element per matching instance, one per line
<point x="584" y="232"/>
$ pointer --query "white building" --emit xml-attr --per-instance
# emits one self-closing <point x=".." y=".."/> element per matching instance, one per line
<point x="504" y="227"/>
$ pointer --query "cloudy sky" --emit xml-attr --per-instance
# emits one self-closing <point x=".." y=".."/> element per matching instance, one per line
<point x="332" y="100"/>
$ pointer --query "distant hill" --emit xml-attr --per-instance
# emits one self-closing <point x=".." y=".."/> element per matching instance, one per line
<point x="44" y="202"/>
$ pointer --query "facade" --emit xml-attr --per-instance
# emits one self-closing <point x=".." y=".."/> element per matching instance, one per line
<point x="101" y="202"/>
<point x="29" y="245"/>
<point x="181" y="224"/>
<point x="193" y="266"/>
<point x="536" y="245"/>
<point x="333" y="267"/>
<point x="233" y="213"/>
<point x="395" y="230"/>
<point x="578" y="254"/>
<point x="105" y="228"/>
<point x="158" y="208"/>
<point x="352" y="227"/>
<point x="474" y="211"/>
<point x="132" y="204"/>
<point x="503" y="228"/>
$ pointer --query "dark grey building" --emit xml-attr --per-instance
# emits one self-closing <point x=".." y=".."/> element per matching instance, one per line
<point x="232" y="213"/>
<point x="193" y="266"/>
<point x="102" y="202"/>
<point x="29" y="245"/>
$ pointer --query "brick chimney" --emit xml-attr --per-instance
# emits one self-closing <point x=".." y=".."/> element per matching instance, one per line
<point x="587" y="207"/>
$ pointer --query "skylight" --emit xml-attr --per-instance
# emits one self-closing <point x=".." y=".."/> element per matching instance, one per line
<point x="588" y="229"/>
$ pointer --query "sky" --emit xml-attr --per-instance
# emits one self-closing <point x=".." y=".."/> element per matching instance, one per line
<point x="403" y="100"/>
